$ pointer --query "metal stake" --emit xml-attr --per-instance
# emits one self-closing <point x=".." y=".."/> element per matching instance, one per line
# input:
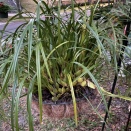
<point x="125" y="42"/>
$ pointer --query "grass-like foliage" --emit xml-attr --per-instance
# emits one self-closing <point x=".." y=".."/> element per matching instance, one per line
<point x="55" y="54"/>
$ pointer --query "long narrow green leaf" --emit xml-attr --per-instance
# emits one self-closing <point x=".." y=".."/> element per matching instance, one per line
<point x="100" y="45"/>
<point x="30" y="24"/>
<point x="38" y="18"/>
<point x="12" y="105"/>
<point x="29" y="102"/>
<point x="56" y="48"/>
<point x="45" y="60"/>
<point x="6" y="80"/>
<point x="73" y="11"/>
<point x="18" y="46"/>
<point x="114" y="47"/>
<point x="73" y="98"/>
<point x="95" y="81"/>
<point x="17" y="103"/>
<point x="39" y="78"/>
<point x="115" y="96"/>
<point x="59" y="35"/>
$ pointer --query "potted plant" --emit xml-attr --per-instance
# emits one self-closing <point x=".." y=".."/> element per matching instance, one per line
<point x="4" y="10"/>
<point x="55" y="59"/>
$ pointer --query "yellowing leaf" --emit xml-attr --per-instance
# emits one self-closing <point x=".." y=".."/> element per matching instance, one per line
<point x="91" y="85"/>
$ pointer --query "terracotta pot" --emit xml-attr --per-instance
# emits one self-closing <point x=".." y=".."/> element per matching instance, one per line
<point x="3" y="14"/>
<point x="64" y="110"/>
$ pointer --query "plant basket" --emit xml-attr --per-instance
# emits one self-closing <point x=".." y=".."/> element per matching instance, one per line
<point x="65" y="109"/>
<point x="3" y="14"/>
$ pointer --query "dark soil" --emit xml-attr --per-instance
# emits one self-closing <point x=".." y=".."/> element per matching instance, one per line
<point x="80" y="94"/>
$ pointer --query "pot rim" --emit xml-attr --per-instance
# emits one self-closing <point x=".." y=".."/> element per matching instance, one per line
<point x="58" y="102"/>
